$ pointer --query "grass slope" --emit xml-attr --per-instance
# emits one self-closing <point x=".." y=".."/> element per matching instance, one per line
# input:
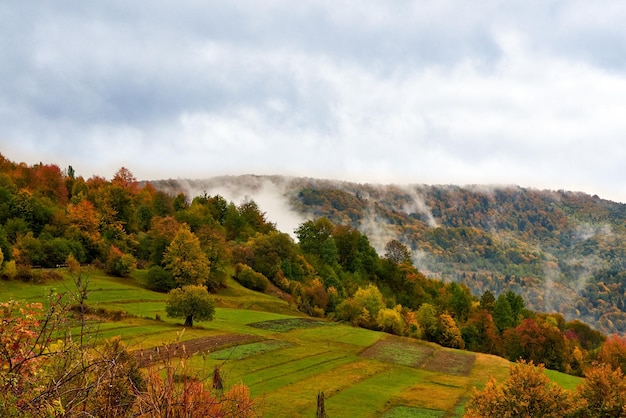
<point x="286" y="358"/>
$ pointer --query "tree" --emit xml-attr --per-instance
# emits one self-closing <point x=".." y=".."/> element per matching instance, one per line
<point x="503" y="314"/>
<point x="426" y="317"/>
<point x="126" y="180"/>
<point x="481" y="334"/>
<point x="371" y="299"/>
<point x="603" y="393"/>
<point x="315" y="238"/>
<point x="517" y="305"/>
<point x="390" y="320"/>
<point x="250" y="278"/>
<point x="536" y="341"/>
<point x="362" y="309"/>
<point x="190" y="302"/>
<point x="119" y="264"/>
<point x="528" y="392"/>
<point x="613" y="352"/>
<point x="185" y="259"/>
<point x="460" y="301"/>
<point x="213" y="243"/>
<point x="448" y="334"/>
<point x="397" y="252"/>
<point x="162" y="232"/>
<point x="487" y="301"/>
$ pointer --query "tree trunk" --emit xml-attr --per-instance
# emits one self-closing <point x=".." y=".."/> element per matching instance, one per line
<point x="189" y="321"/>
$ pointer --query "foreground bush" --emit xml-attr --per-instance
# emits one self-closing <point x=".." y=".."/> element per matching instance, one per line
<point x="528" y="392"/>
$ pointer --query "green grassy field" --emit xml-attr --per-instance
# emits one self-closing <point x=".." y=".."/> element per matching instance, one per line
<point x="286" y="358"/>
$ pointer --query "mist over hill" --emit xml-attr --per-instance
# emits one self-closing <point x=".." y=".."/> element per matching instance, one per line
<point x="563" y="251"/>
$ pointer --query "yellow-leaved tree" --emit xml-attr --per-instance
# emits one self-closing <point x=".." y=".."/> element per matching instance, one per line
<point x="185" y="259"/>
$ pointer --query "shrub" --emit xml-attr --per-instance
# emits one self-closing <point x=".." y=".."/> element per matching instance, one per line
<point x="250" y="278"/>
<point x="119" y="264"/>
<point x="390" y="320"/>
<point x="9" y="271"/>
<point x="160" y="279"/>
<point x="27" y="274"/>
<point x="528" y="392"/>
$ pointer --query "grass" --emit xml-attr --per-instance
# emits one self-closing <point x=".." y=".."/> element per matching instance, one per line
<point x="566" y="381"/>
<point x="289" y="324"/>
<point x="248" y="350"/>
<point x="409" y="412"/>
<point x="362" y="373"/>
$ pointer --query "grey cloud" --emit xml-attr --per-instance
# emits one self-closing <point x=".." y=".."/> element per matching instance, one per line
<point x="429" y="91"/>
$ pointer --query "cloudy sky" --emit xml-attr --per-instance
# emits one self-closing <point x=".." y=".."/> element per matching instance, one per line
<point x="500" y="92"/>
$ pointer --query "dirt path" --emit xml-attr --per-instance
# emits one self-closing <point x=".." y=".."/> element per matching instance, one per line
<point x="153" y="355"/>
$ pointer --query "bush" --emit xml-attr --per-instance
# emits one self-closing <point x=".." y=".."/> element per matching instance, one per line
<point x="27" y="274"/>
<point x="250" y="278"/>
<point x="9" y="271"/>
<point x="390" y="320"/>
<point x="119" y="264"/>
<point x="528" y="392"/>
<point x="160" y="279"/>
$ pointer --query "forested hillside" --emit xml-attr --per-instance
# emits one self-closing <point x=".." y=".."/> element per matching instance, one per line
<point x="563" y="251"/>
<point x="358" y="256"/>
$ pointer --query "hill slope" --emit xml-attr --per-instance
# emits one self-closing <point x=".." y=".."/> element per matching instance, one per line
<point x="286" y="359"/>
<point x="563" y="251"/>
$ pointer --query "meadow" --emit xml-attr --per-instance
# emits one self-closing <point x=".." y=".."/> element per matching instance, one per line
<point x="286" y="358"/>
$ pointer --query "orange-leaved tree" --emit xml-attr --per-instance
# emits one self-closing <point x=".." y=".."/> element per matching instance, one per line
<point x="528" y="392"/>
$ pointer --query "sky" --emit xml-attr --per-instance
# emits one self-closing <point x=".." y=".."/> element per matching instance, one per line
<point x="531" y="93"/>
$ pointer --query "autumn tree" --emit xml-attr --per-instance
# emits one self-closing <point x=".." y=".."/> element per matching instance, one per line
<point x="190" y="302"/>
<point x="391" y="320"/>
<point x="538" y="341"/>
<point x="250" y="278"/>
<point x="528" y="392"/>
<point x="481" y="334"/>
<point x="126" y="180"/>
<point x="272" y="252"/>
<point x="119" y="264"/>
<point x="213" y="243"/>
<point x="185" y="259"/>
<point x="603" y="393"/>
<point x="162" y="231"/>
<point x="363" y="307"/>
<point x="613" y="352"/>
<point x="448" y="334"/>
